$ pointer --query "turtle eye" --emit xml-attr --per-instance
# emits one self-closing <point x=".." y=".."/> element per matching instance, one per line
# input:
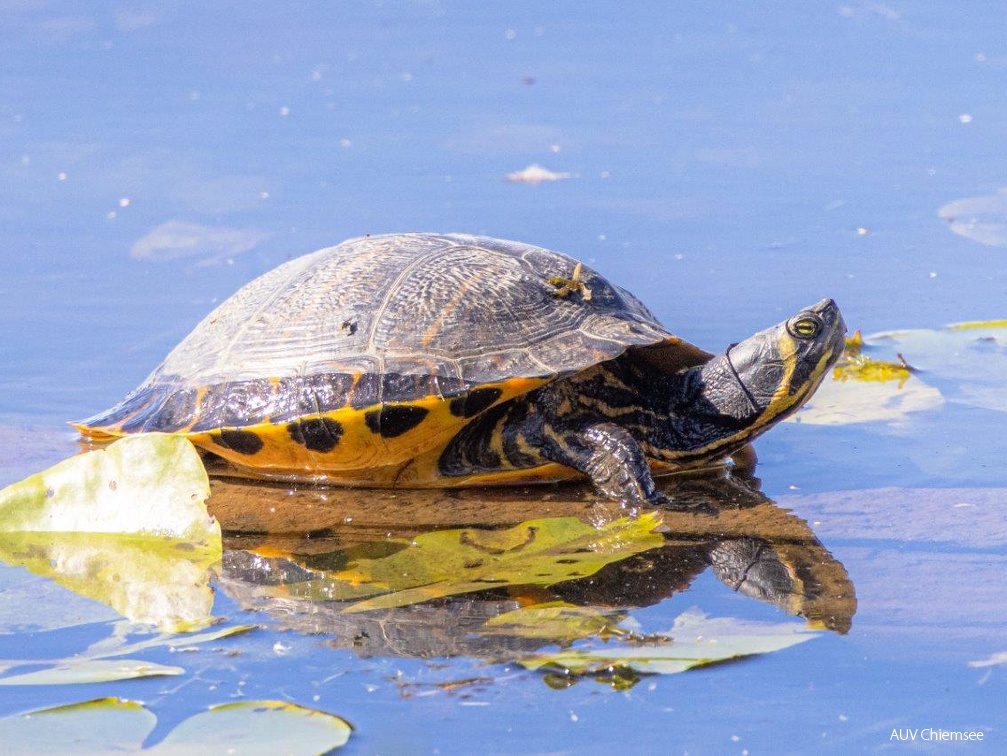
<point x="805" y="327"/>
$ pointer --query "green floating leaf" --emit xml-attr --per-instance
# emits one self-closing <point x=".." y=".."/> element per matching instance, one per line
<point x="857" y="366"/>
<point x="694" y="641"/>
<point x="126" y="526"/>
<point x="73" y="672"/>
<point x="150" y="483"/>
<point x="555" y="621"/>
<point x="114" y="725"/>
<point x="265" y="727"/>
<point x="537" y="552"/>
<point x="101" y="725"/>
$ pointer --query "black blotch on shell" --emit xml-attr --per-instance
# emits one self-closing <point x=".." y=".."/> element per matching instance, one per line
<point x="474" y="402"/>
<point x="394" y="420"/>
<point x="318" y="434"/>
<point x="243" y="442"/>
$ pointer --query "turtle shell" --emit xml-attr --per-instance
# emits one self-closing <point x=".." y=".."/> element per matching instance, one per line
<point x="350" y="362"/>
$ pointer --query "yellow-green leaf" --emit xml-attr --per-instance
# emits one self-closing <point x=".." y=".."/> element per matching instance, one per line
<point x="126" y="525"/>
<point x="695" y="640"/>
<point x="536" y="552"/>
<point x="147" y="579"/>
<point x="151" y="483"/>
<point x="555" y="621"/>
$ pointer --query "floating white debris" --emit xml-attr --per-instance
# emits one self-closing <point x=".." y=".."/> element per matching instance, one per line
<point x="536" y="174"/>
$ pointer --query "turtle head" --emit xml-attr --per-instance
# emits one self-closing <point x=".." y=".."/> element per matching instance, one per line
<point x="768" y="376"/>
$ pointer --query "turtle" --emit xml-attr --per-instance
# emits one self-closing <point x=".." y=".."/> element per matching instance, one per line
<point x="423" y="360"/>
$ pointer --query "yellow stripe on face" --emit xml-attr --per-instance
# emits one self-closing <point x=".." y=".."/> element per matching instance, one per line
<point x="782" y="399"/>
<point x="781" y="402"/>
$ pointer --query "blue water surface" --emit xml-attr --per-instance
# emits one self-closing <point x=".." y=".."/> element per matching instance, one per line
<point x="728" y="162"/>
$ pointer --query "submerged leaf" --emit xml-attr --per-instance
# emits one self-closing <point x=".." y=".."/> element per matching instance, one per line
<point x="537" y="552"/>
<point x="982" y="219"/>
<point x="694" y="640"/>
<point x="151" y="483"/>
<point x="990" y="661"/>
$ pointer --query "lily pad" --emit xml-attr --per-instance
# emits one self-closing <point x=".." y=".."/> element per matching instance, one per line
<point x="265" y="727"/>
<point x="111" y="724"/>
<point x="91" y="671"/>
<point x="126" y="526"/>
<point x="151" y="483"/>
<point x="868" y="387"/>
<point x="695" y="640"/>
<point x="158" y="581"/>
<point x="102" y="662"/>
<point x="961" y="364"/>
<point x="104" y="724"/>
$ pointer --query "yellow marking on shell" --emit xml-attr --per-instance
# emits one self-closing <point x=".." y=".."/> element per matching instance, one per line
<point x="98" y="435"/>
<point x="361" y="456"/>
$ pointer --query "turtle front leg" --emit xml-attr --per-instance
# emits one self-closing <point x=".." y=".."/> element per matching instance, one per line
<point x="609" y="455"/>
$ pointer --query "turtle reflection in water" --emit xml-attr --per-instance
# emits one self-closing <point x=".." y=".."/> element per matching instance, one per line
<point x="751" y="545"/>
<point x="426" y="360"/>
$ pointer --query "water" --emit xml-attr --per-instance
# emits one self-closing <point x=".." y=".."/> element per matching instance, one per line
<point x="729" y="165"/>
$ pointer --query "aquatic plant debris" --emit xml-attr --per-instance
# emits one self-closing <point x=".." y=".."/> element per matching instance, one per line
<point x="114" y="724"/>
<point x="557" y="622"/>
<point x="855" y="365"/>
<point x="694" y="640"/>
<point x="535" y="174"/>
